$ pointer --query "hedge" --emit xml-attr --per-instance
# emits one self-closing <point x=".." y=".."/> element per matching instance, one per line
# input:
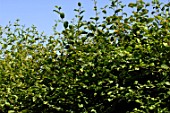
<point x="118" y="63"/>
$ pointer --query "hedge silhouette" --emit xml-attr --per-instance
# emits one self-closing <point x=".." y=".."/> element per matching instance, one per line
<point x="117" y="65"/>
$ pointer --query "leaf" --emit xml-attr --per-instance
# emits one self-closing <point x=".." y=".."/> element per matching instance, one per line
<point x="152" y="12"/>
<point x="90" y="35"/>
<point x="150" y="20"/>
<point x="158" y="17"/>
<point x="62" y="15"/>
<point x="163" y="8"/>
<point x="84" y="32"/>
<point x="82" y="11"/>
<point x="155" y="24"/>
<point x="145" y="11"/>
<point x="4" y="46"/>
<point x="164" y="66"/>
<point x="96" y="18"/>
<point x="76" y="10"/>
<point x="165" y="44"/>
<point x="65" y="24"/>
<point x="152" y="107"/>
<point x="104" y="11"/>
<point x="93" y="111"/>
<point x="80" y="105"/>
<point x="34" y="98"/>
<point x="118" y="10"/>
<point x="139" y="8"/>
<point x="136" y="82"/>
<point x="109" y="99"/>
<point x="138" y="101"/>
<point x="56" y="11"/>
<point x="11" y="111"/>
<point x="131" y="5"/>
<point x="124" y="14"/>
<point x="167" y="83"/>
<point x="79" y="4"/>
<point x="109" y="93"/>
<point x="71" y="26"/>
<point x="147" y="4"/>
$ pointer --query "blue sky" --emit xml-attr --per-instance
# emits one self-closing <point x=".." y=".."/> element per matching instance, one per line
<point x="40" y="12"/>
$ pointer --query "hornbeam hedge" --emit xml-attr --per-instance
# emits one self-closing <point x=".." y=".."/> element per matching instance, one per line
<point x="117" y="63"/>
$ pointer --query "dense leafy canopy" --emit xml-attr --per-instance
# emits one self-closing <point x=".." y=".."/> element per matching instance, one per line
<point x="117" y="63"/>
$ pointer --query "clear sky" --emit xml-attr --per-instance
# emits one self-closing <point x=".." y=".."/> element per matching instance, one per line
<point x="40" y="12"/>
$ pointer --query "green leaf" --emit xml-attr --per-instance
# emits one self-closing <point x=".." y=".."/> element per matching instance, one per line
<point x="109" y="99"/>
<point x="56" y="11"/>
<point x="82" y="12"/>
<point x="109" y="93"/>
<point x="168" y="92"/>
<point x="124" y="14"/>
<point x="4" y="46"/>
<point x="152" y="107"/>
<point x="164" y="66"/>
<point x="34" y="98"/>
<point x="147" y="4"/>
<point x="65" y="24"/>
<point x="79" y="4"/>
<point x="131" y="5"/>
<point x="93" y="111"/>
<point x="138" y="101"/>
<point x="167" y="83"/>
<point x="150" y="20"/>
<point x="104" y="11"/>
<point x="11" y="111"/>
<point x="80" y="105"/>
<point x="165" y="44"/>
<point x="118" y="10"/>
<point x="62" y="15"/>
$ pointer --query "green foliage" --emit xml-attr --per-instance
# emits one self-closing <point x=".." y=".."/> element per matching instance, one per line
<point x="114" y="64"/>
